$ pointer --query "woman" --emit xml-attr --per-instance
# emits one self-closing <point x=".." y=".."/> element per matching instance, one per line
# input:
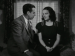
<point x="48" y="33"/>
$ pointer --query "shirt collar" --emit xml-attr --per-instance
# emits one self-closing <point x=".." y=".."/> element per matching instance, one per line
<point x="26" y="21"/>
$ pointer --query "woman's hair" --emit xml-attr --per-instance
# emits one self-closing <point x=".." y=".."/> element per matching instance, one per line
<point x="52" y="15"/>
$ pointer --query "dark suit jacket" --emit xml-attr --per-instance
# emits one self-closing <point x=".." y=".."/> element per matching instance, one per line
<point x="19" y="36"/>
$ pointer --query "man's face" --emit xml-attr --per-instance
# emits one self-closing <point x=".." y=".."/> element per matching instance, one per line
<point x="31" y="14"/>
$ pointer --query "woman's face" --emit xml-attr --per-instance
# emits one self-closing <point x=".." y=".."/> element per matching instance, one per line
<point x="46" y="14"/>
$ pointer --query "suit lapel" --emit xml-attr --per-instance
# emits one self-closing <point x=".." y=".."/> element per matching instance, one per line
<point x="31" y="31"/>
<point x="22" y="18"/>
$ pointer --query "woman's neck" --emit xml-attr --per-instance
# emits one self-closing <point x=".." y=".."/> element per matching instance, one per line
<point x="49" y="23"/>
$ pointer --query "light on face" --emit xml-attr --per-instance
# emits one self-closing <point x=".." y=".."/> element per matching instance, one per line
<point x="32" y="13"/>
<point x="45" y="14"/>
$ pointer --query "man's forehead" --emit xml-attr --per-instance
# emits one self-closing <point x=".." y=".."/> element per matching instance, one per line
<point x="33" y="9"/>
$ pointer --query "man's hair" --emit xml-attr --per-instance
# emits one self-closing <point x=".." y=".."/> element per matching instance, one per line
<point x="27" y="7"/>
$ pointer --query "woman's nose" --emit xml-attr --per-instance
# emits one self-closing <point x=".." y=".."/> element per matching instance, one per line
<point x="43" y="15"/>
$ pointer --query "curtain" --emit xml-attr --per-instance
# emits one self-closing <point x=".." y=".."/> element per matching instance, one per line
<point x="8" y="16"/>
<point x="64" y="19"/>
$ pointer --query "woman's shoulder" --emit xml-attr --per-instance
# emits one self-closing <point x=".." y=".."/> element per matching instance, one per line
<point x="39" y="23"/>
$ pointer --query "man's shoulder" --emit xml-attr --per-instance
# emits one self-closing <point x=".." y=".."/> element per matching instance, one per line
<point x="18" y="18"/>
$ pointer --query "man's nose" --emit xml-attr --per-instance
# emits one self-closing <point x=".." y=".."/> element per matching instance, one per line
<point x="34" y="14"/>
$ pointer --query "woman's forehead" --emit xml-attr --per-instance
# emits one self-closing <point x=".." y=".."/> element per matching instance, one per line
<point x="45" y="11"/>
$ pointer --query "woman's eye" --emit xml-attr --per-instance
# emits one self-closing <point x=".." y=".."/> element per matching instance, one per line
<point x="46" y="13"/>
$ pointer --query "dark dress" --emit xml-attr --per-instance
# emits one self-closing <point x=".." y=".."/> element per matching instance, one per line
<point x="49" y="34"/>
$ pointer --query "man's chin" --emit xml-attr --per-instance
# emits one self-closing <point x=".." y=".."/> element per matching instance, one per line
<point x="30" y="18"/>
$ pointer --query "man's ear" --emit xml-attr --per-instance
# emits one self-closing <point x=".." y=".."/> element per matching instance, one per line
<point x="28" y="13"/>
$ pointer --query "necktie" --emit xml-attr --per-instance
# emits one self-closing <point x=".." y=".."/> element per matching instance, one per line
<point x="29" y="29"/>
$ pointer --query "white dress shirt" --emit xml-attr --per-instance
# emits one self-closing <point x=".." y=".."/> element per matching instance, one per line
<point x="26" y="21"/>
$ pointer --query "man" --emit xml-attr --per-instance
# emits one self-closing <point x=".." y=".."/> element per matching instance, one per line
<point x="21" y="36"/>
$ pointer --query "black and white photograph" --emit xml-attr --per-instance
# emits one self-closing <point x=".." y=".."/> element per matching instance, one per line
<point x="37" y="28"/>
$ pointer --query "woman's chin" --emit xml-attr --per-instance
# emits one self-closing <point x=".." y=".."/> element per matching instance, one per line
<point x="46" y="20"/>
